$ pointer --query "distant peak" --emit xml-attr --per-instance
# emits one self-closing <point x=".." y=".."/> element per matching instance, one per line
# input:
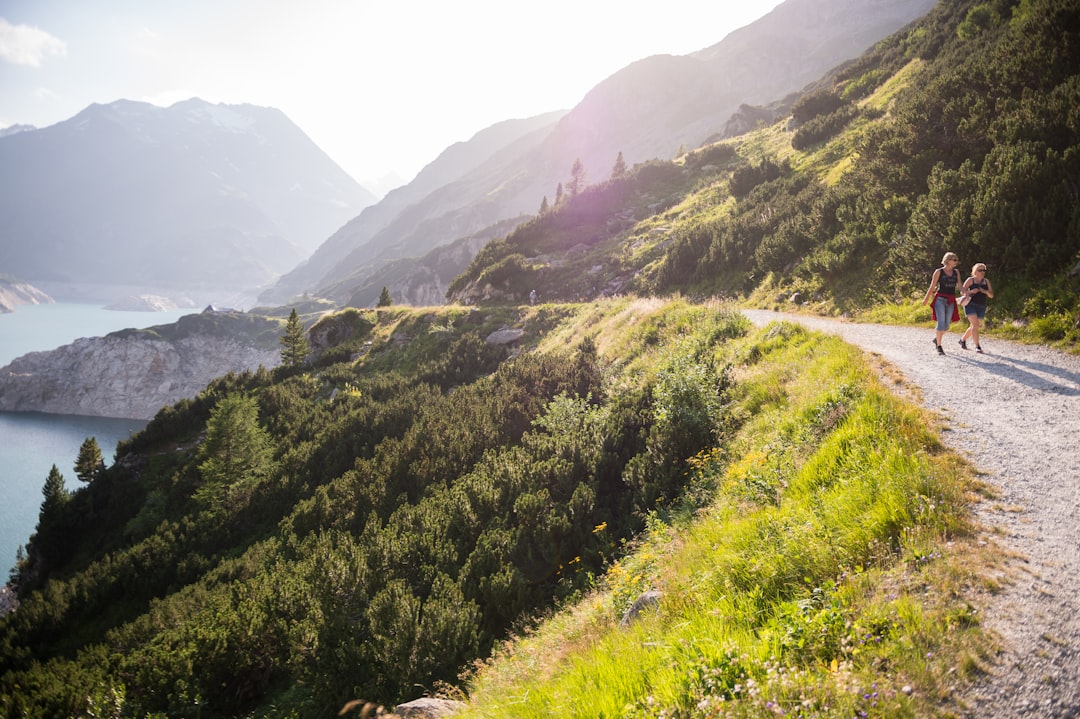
<point x="233" y="118"/>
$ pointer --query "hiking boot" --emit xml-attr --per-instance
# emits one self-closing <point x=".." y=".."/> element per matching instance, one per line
<point x="940" y="351"/>
<point x="978" y="349"/>
<point x="963" y="345"/>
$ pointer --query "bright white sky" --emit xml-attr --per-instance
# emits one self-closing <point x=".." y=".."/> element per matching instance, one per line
<point x="382" y="87"/>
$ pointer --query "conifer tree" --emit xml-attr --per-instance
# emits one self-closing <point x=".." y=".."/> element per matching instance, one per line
<point x="577" y="178"/>
<point x="620" y="167"/>
<point x="294" y="344"/>
<point x="50" y="542"/>
<point x="89" y="463"/>
<point x="384" y="298"/>
<point x="56" y="494"/>
<point x="558" y="194"/>
<point x="544" y="205"/>
<point x="236" y="452"/>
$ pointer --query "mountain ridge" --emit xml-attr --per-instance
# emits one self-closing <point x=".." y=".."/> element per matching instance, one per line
<point x="614" y="117"/>
<point x="195" y="198"/>
<point x="359" y="235"/>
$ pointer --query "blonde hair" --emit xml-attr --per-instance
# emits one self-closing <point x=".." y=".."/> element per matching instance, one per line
<point x="978" y="266"/>
<point x="949" y="256"/>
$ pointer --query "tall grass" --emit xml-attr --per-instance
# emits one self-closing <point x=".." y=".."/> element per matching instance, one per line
<point x="824" y="578"/>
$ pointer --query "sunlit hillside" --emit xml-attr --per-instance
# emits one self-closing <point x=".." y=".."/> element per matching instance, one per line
<point x="959" y="135"/>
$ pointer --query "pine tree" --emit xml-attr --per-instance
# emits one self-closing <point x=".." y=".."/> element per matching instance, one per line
<point x="384" y="298"/>
<point x="558" y="194"/>
<point x="56" y="494"/>
<point x="89" y="464"/>
<point x="619" y="168"/>
<point x="294" y="344"/>
<point x="577" y="178"/>
<point x="237" y="451"/>
<point x="544" y="205"/>
<point x="50" y="542"/>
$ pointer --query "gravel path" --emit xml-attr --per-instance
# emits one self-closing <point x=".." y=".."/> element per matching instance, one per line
<point x="1015" y="413"/>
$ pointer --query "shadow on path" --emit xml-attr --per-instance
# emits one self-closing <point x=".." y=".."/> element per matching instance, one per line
<point x="1018" y="371"/>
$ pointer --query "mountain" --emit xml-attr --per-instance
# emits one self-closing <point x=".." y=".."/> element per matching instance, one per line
<point x="959" y="135"/>
<point x="387" y="225"/>
<point x="647" y="110"/>
<point x="195" y="199"/>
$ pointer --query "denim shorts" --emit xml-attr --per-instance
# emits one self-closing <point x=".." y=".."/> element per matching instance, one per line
<point x="943" y="310"/>
<point x="974" y="309"/>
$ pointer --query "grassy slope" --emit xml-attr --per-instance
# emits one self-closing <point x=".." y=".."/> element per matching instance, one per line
<point x="833" y="571"/>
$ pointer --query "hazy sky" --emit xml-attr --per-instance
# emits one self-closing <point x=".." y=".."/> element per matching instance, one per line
<point x="382" y="87"/>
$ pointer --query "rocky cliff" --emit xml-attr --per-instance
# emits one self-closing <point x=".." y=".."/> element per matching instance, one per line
<point x="13" y="294"/>
<point x="127" y="374"/>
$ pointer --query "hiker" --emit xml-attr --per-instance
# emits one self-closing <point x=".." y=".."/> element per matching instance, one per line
<point x="946" y="280"/>
<point x="977" y="288"/>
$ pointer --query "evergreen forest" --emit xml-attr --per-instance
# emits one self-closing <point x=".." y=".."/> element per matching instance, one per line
<point x="390" y="511"/>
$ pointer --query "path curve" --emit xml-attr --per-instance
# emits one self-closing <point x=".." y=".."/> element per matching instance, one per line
<point x="1015" y="413"/>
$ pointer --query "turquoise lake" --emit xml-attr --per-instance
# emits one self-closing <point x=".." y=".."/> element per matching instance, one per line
<point x="30" y="442"/>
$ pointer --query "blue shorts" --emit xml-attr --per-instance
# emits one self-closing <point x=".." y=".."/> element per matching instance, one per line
<point x="943" y="311"/>
<point x="974" y="309"/>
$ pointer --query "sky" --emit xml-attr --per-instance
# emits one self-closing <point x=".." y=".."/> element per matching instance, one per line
<point x="381" y="87"/>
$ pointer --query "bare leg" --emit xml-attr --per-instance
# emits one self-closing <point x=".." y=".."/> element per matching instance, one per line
<point x="973" y="330"/>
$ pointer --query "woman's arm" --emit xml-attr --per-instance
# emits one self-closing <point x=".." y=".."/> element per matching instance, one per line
<point x="989" y="289"/>
<point x="933" y="284"/>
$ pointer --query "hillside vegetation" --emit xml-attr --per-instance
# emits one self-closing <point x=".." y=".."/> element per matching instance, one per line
<point x="959" y="134"/>
<point x="366" y="525"/>
<point x="288" y="542"/>
<point x="466" y="499"/>
<point x="819" y="564"/>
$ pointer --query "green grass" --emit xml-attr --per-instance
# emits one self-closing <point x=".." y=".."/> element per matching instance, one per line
<point x="830" y="573"/>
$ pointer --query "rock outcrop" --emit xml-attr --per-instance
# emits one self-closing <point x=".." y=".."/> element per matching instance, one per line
<point x="428" y="708"/>
<point x="13" y="294"/>
<point x="122" y="375"/>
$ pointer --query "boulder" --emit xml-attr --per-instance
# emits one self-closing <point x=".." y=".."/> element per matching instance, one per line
<point x="643" y="602"/>
<point x="428" y="708"/>
<point x="505" y="336"/>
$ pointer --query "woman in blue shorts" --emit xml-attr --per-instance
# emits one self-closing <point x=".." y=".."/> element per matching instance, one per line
<point x="978" y="288"/>
<point x="943" y="287"/>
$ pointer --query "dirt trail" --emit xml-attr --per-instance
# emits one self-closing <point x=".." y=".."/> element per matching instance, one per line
<point x="1015" y="413"/>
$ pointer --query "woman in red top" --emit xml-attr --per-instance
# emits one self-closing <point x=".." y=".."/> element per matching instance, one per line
<point x="943" y="286"/>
